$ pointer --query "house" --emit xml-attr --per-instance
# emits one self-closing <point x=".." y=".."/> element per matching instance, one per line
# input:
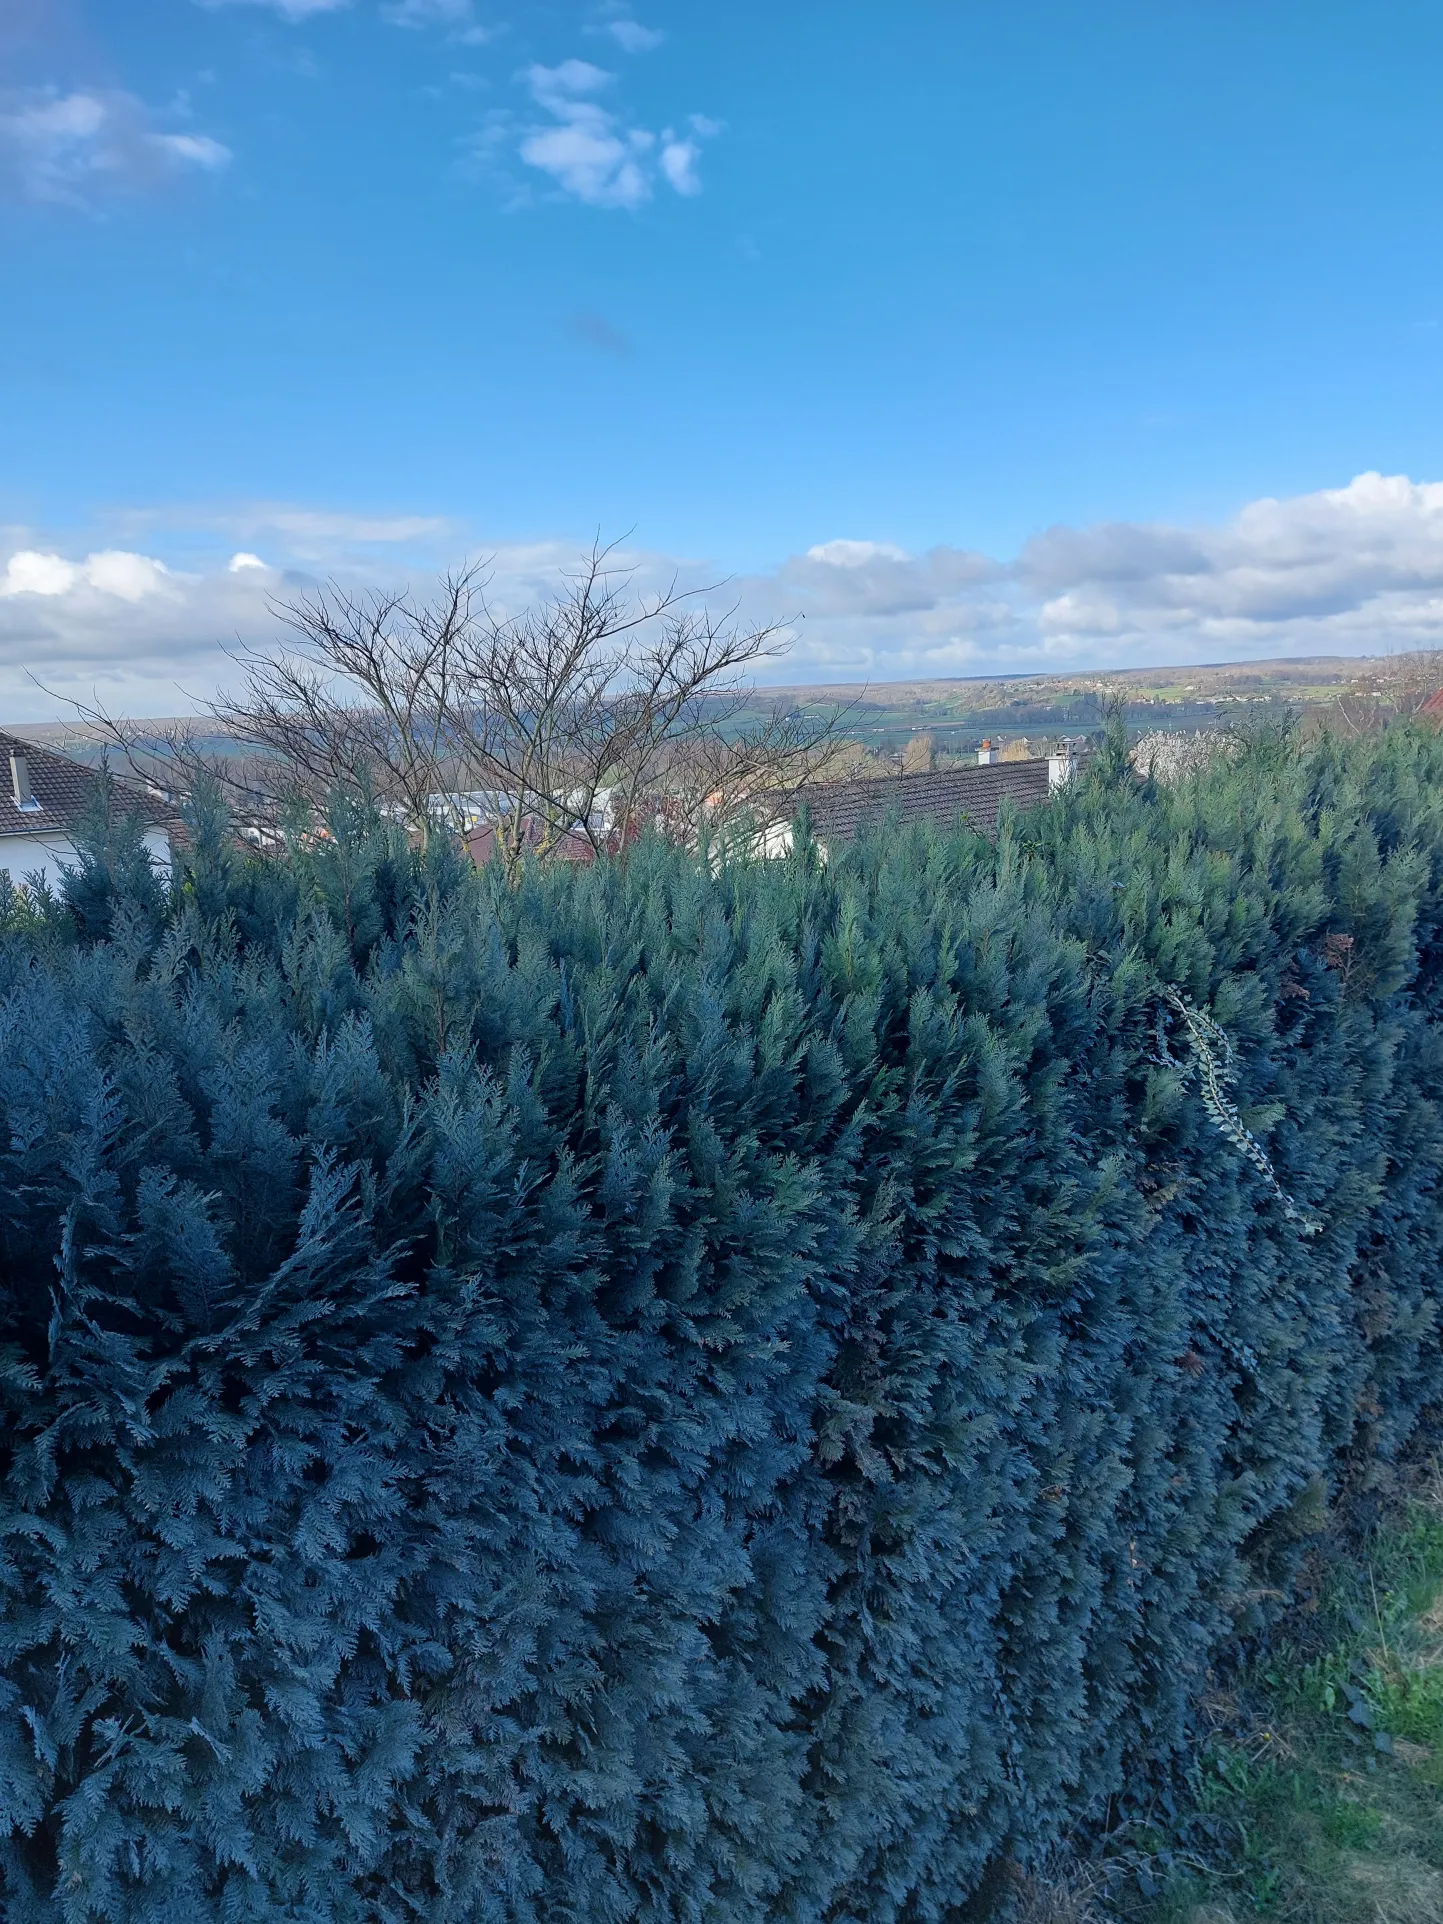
<point x="570" y="846"/>
<point x="44" y="796"/>
<point x="841" y="810"/>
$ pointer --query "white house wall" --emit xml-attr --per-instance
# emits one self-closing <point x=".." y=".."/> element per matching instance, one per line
<point x="27" y="855"/>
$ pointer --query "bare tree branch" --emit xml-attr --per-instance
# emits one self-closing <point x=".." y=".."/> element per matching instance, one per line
<point x="1395" y="689"/>
<point x="585" y="719"/>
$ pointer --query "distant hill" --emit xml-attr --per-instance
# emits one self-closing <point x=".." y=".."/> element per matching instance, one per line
<point x="959" y="711"/>
<point x="87" y="744"/>
<point x="1305" y="674"/>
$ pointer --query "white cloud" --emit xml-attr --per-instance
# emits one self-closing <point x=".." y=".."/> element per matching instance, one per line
<point x="632" y="37"/>
<point x="111" y="571"/>
<point x="32" y="573"/>
<point x="1328" y="567"/>
<point x="584" y="153"/>
<point x="678" y="163"/>
<point x="589" y="161"/>
<point x="199" y="149"/>
<point x="855" y="554"/>
<point x="1081" y="613"/>
<point x="558" y="89"/>
<point x="130" y="576"/>
<point x="1346" y="571"/>
<point x="71" y="625"/>
<point x="590" y="151"/>
<point x="70" y="148"/>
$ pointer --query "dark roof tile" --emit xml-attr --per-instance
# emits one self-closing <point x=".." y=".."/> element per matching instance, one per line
<point x="841" y="810"/>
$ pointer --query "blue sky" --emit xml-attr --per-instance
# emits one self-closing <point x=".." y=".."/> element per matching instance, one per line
<point x="986" y="335"/>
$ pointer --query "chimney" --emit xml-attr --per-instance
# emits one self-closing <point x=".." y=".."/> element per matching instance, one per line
<point x="986" y="755"/>
<point x="20" y="781"/>
<point x="1061" y="764"/>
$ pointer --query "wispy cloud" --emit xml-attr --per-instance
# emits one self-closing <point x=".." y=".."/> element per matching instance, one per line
<point x="457" y="16"/>
<point x="586" y="150"/>
<point x="75" y="148"/>
<point x="590" y="151"/>
<point x="678" y="159"/>
<point x="632" y="37"/>
<point x="198" y="150"/>
<point x="317" y="538"/>
<point x="292" y="10"/>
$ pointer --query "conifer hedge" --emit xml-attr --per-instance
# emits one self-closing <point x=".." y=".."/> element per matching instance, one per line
<point x="684" y="1395"/>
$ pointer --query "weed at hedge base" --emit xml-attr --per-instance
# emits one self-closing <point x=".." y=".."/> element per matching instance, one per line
<point x="1324" y="1805"/>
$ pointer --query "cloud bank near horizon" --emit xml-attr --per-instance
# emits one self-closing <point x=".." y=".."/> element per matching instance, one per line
<point x="143" y="620"/>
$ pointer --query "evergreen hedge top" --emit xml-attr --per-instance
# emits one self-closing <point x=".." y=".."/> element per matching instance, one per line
<point x="673" y="1396"/>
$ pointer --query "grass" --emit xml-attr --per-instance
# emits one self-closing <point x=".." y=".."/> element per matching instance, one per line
<point x="1318" y="1799"/>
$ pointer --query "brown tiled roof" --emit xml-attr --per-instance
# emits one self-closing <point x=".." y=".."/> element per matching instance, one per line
<point x="63" y="789"/>
<point x="840" y="810"/>
<point x="568" y="847"/>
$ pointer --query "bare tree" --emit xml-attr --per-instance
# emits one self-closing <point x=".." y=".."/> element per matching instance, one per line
<point x="362" y="701"/>
<point x="1414" y="677"/>
<point x="598" y="714"/>
<point x="591" y="716"/>
<point x="1391" y="689"/>
<point x="171" y="758"/>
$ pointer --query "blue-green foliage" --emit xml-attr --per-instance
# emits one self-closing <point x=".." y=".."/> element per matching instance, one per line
<point x="681" y="1397"/>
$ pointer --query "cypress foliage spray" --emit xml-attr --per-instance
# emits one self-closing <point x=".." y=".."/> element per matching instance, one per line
<point x="663" y="1394"/>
